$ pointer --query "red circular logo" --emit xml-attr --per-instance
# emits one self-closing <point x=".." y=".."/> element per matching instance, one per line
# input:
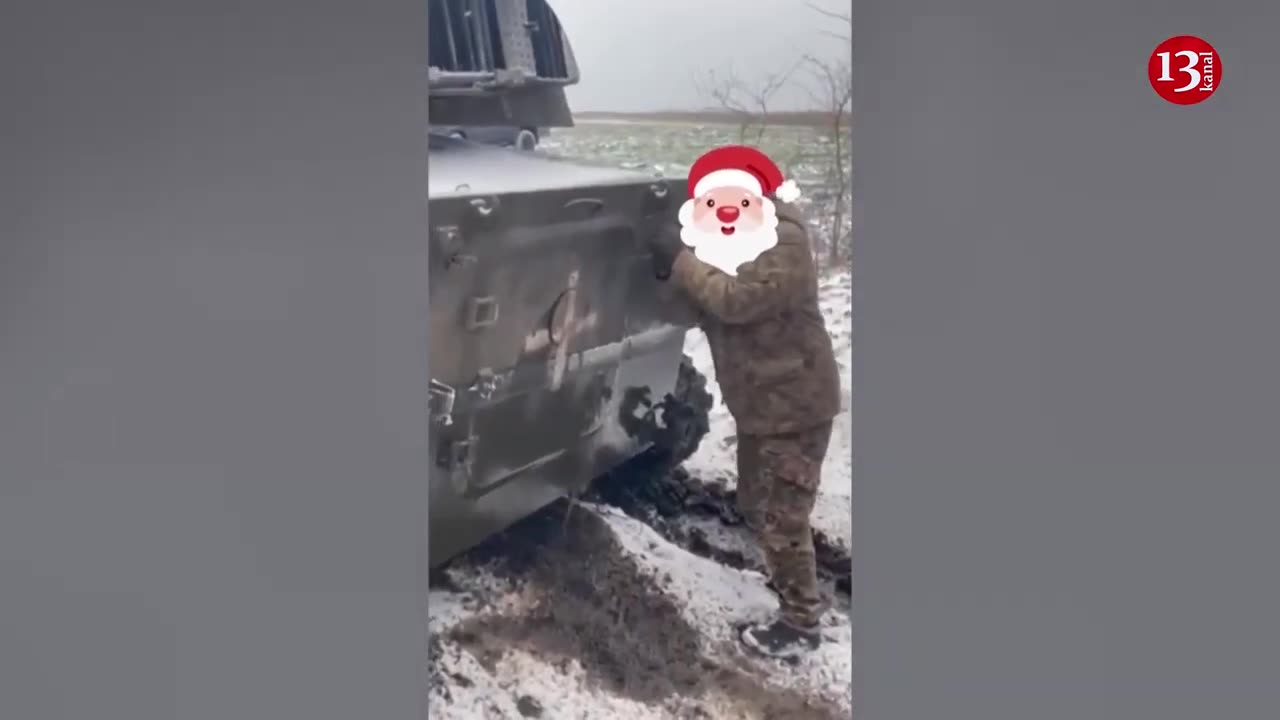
<point x="1185" y="70"/>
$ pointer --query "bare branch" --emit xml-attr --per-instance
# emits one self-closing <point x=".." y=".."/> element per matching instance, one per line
<point x="830" y="88"/>
<point x="748" y="102"/>
<point x="846" y="37"/>
<point x="830" y="13"/>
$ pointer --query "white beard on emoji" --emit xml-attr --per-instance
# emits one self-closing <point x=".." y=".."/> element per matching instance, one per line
<point x="728" y="252"/>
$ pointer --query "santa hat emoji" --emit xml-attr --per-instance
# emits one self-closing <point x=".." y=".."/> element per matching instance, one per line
<point x="740" y="166"/>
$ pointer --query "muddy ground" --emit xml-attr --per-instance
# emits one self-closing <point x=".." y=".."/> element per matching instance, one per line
<point x="587" y="599"/>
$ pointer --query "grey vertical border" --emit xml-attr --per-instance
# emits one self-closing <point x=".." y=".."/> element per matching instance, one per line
<point x="1065" y="436"/>
<point x="213" y="349"/>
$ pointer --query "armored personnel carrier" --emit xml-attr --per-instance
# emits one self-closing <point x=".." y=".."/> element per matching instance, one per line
<point x="555" y="357"/>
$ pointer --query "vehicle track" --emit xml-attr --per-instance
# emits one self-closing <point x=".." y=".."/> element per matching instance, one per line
<point x="667" y="501"/>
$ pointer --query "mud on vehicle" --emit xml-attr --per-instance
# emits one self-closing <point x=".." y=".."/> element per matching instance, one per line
<point x="554" y="358"/>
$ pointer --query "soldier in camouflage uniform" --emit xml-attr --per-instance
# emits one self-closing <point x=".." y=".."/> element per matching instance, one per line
<point x="777" y="371"/>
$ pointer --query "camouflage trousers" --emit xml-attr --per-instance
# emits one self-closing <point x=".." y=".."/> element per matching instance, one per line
<point x="778" y="479"/>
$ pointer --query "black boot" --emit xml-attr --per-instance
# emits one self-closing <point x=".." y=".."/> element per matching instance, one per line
<point x="780" y="639"/>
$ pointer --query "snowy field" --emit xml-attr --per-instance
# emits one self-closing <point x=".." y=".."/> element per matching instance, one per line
<point x="597" y="610"/>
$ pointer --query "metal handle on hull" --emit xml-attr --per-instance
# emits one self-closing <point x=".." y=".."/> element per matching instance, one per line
<point x="592" y="206"/>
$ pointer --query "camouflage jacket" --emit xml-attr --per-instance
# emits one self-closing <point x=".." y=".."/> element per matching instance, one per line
<point x="773" y="358"/>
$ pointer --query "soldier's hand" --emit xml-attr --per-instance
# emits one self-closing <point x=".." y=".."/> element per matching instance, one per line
<point x="665" y="244"/>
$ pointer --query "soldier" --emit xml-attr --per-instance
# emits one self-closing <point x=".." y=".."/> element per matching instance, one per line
<point x="743" y="259"/>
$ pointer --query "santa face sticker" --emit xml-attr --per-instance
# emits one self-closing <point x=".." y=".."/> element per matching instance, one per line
<point x="730" y="218"/>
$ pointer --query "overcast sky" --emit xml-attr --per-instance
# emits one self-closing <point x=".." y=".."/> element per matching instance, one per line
<point x="644" y="55"/>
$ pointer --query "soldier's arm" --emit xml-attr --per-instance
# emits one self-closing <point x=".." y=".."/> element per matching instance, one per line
<point x="764" y="287"/>
<point x="676" y="306"/>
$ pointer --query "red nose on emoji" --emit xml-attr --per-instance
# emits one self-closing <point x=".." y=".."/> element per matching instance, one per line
<point x="727" y="213"/>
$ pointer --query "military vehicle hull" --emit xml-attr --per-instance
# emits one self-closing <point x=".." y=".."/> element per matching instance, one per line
<point x="548" y="332"/>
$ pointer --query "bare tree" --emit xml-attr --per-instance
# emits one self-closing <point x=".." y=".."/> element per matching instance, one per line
<point x="833" y="94"/>
<point x="747" y="101"/>
<point x="832" y="91"/>
<point x="829" y="85"/>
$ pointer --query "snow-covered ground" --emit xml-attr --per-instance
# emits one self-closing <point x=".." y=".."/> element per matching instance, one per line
<point x="611" y="619"/>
